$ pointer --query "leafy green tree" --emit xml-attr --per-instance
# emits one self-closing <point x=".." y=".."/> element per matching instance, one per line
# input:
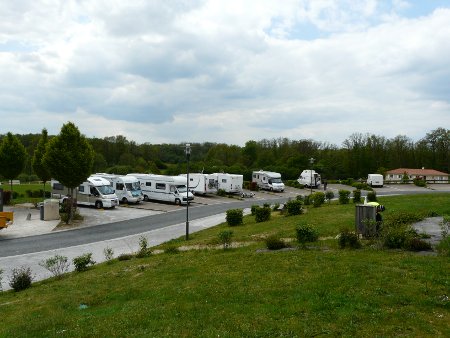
<point x="12" y="157"/>
<point x="39" y="168"/>
<point x="69" y="159"/>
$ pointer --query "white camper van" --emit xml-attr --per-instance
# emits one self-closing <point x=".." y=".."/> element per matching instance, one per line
<point x="268" y="180"/>
<point x="202" y="183"/>
<point x="310" y="179"/>
<point x="375" y="180"/>
<point x="95" y="191"/>
<point x="231" y="183"/>
<point x="127" y="188"/>
<point x="164" y="188"/>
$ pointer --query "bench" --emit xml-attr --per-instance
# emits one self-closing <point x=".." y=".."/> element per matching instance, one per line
<point x="6" y="218"/>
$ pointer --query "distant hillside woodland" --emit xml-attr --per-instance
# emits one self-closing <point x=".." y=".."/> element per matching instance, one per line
<point x="359" y="155"/>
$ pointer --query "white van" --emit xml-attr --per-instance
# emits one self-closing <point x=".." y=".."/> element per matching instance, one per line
<point x="375" y="180"/>
<point x="268" y="180"/>
<point x="202" y="183"/>
<point x="127" y="188"/>
<point x="95" y="191"/>
<point x="230" y="183"/>
<point x="164" y="188"/>
<point x="310" y="179"/>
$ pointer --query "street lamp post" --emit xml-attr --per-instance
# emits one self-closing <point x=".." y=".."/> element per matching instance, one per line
<point x="311" y="160"/>
<point x="188" y="155"/>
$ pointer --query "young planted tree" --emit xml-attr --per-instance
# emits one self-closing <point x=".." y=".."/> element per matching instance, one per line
<point x="39" y="168"/>
<point x="69" y="159"/>
<point x="12" y="157"/>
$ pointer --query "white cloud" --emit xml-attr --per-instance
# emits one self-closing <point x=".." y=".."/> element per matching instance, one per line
<point x="224" y="71"/>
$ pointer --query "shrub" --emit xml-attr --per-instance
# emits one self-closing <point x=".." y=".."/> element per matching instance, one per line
<point x="109" y="253"/>
<point x="329" y="195"/>
<point x="83" y="262"/>
<point x="344" y="196"/>
<point x="273" y="242"/>
<point x="262" y="214"/>
<point x="356" y="196"/>
<point x="420" y="182"/>
<point x="171" y="249"/>
<point x="125" y="257"/>
<point x="276" y="207"/>
<point x="300" y="198"/>
<point x="294" y="207"/>
<point x="348" y="238"/>
<point x="57" y="265"/>
<point x="144" y="250"/>
<point x="371" y="196"/>
<point x="225" y="238"/>
<point x="307" y="199"/>
<point x="235" y="217"/>
<point x="399" y="218"/>
<point x="20" y="279"/>
<point x="318" y="198"/>
<point x="221" y="192"/>
<point x="253" y="209"/>
<point x="306" y="234"/>
<point x="417" y="244"/>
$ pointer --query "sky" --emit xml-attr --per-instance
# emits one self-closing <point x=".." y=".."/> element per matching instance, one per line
<point x="225" y="71"/>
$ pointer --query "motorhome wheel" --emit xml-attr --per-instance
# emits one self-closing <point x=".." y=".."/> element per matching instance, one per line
<point x="99" y="205"/>
<point x="145" y="198"/>
<point x="178" y="201"/>
<point x="124" y="200"/>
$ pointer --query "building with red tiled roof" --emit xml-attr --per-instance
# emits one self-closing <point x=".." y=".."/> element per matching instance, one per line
<point x="429" y="175"/>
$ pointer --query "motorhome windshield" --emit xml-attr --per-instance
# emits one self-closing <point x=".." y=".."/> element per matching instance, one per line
<point x="181" y="188"/>
<point x="275" y="180"/>
<point x="135" y="186"/>
<point x="105" y="189"/>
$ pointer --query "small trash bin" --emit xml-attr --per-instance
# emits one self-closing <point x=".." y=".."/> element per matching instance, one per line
<point x="41" y="211"/>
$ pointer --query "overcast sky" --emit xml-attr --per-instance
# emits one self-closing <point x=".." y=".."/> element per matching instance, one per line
<point x="170" y="71"/>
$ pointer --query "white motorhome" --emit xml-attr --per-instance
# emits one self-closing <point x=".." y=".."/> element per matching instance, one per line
<point x="127" y="188"/>
<point x="230" y="183"/>
<point x="375" y="180"/>
<point x="95" y="191"/>
<point x="164" y="188"/>
<point x="310" y="179"/>
<point x="202" y="183"/>
<point x="268" y="180"/>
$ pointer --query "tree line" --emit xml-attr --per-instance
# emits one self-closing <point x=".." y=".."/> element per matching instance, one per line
<point x="358" y="155"/>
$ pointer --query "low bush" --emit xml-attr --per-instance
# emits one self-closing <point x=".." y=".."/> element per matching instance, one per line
<point x="371" y="196"/>
<point x="420" y="182"/>
<point x="318" y="198"/>
<point x="274" y="242"/>
<point x="357" y="196"/>
<point x="276" y="207"/>
<point x="305" y="233"/>
<point x="83" y="262"/>
<point x="21" y="279"/>
<point x="349" y="239"/>
<point x="125" y="257"/>
<point x="171" y="249"/>
<point x="262" y="214"/>
<point x="235" y="217"/>
<point x="144" y="250"/>
<point x="294" y="207"/>
<point x="307" y="200"/>
<point x="109" y="254"/>
<point x="443" y="247"/>
<point x="225" y="238"/>
<point x="57" y="265"/>
<point x="417" y="244"/>
<point x="221" y="192"/>
<point x="329" y="195"/>
<point x="344" y="196"/>
<point x="253" y="209"/>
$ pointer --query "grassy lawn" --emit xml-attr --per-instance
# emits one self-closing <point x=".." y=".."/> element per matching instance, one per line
<point x="248" y="291"/>
<point x="22" y="189"/>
